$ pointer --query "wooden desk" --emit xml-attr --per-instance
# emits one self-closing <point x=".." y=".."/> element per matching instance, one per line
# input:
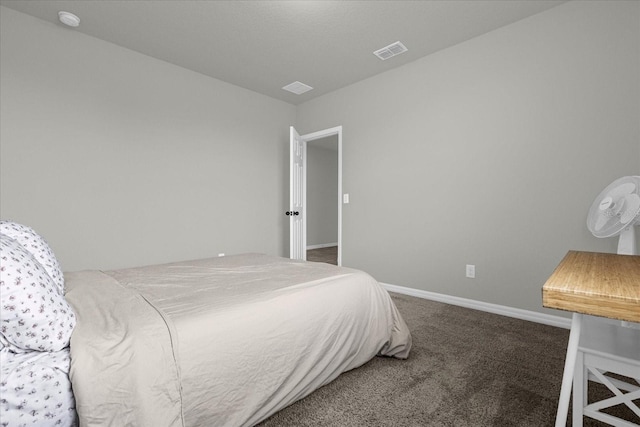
<point x="598" y="284"/>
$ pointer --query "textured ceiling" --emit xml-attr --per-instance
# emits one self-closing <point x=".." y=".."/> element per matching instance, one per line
<point x="264" y="45"/>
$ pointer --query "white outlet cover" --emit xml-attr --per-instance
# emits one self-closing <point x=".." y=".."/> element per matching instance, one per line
<point x="471" y="271"/>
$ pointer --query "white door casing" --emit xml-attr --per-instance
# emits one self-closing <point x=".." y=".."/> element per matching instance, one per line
<point x="297" y="197"/>
<point x="298" y="191"/>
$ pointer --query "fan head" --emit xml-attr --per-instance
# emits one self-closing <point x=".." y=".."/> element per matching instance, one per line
<point x="616" y="207"/>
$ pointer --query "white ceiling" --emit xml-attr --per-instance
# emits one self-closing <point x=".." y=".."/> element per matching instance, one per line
<point x="264" y="45"/>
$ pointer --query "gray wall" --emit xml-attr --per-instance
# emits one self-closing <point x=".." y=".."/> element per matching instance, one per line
<point x="322" y="193"/>
<point x="489" y="153"/>
<point x="119" y="159"/>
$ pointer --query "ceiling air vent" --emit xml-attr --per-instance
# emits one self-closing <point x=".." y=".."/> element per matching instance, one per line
<point x="390" y="51"/>
<point x="297" y="88"/>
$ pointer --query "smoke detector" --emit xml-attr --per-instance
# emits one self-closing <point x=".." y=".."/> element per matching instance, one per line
<point x="68" y="18"/>
<point x="390" y="51"/>
<point x="297" y="88"/>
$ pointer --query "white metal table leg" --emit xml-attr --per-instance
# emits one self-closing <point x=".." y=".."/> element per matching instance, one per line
<point x="580" y="382"/>
<point x="569" y="367"/>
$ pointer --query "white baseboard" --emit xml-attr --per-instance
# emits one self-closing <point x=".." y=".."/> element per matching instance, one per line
<point x="322" y="245"/>
<point x="503" y="310"/>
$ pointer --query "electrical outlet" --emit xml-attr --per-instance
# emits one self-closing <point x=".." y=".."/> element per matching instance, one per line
<point x="221" y="254"/>
<point x="471" y="271"/>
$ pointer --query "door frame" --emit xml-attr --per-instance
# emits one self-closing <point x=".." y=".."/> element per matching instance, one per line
<point x="337" y="130"/>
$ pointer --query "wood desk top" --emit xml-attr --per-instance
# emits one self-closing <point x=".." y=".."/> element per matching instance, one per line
<point x="594" y="283"/>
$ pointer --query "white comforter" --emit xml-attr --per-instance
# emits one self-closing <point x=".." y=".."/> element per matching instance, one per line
<point x="224" y="341"/>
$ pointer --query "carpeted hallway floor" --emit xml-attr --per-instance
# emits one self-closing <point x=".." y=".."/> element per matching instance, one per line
<point x="466" y="368"/>
<point x="328" y="255"/>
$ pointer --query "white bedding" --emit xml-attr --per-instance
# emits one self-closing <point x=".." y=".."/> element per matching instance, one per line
<point x="221" y="342"/>
<point x="35" y="389"/>
<point x="36" y="323"/>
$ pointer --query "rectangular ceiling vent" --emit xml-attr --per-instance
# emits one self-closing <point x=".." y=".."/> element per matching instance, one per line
<point x="297" y="88"/>
<point x="390" y="51"/>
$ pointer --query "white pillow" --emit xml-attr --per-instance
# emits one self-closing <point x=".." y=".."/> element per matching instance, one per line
<point x="33" y="314"/>
<point x="35" y="244"/>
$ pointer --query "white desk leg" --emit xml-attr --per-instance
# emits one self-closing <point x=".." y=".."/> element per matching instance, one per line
<point x="580" y="390"/>
<point x="569" y="367"/>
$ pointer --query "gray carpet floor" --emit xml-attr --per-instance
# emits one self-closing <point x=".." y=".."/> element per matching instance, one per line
<point x="328" y="255"/>
<point x="466" y="368"/>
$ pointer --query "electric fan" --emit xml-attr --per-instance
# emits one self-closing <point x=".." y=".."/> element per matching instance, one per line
<point x="615" y="212"/>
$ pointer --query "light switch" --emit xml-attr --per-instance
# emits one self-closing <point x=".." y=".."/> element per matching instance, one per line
<point x="345" y="198"/>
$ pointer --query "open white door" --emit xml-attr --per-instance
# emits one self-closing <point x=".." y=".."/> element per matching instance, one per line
<point x="297" y="198"/>
<point x="298" y="191"/>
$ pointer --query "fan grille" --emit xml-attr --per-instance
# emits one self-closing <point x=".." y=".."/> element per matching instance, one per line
<point x="616" y="208"/>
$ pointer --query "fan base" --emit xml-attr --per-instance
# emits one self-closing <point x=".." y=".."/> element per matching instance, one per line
<point x="627" y="242"/>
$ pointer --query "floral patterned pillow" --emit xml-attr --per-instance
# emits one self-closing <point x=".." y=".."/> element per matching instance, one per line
<point x="33" y="314"/>
<point x="35" y="244"/>
<point x="36" y="390"/>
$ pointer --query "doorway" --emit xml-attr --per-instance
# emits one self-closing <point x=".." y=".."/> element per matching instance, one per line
<point x="324" y="139"/>
<point x="322" y="193"/>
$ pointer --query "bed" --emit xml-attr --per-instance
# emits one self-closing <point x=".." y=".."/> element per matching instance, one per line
<point x="225" y="341"/>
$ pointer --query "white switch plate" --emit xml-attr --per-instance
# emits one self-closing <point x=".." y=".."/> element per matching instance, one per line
<point x="345" y="198"/>
<point x="471" y="271"/>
